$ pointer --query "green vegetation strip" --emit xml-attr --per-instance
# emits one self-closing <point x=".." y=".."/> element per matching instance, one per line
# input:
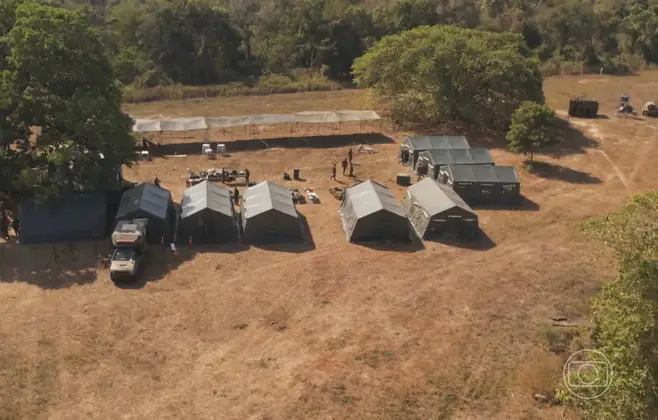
<point x="625" y="314"/>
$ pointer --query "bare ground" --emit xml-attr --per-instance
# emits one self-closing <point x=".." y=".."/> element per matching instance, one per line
<point x="341" y="331"/>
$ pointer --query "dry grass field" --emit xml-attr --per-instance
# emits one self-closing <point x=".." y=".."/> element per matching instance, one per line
<point x="339" y="331"/>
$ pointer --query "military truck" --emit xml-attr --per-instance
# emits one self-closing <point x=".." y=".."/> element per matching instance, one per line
<point x="128" y="239"/>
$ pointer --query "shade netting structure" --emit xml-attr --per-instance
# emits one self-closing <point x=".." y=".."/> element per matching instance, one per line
<point x="412" y="146"/>
<point x="207" y="215"/>
<point x="435" y="210"/>
<point x="151" y="202"/>
<point x="370" y="213"/>
<point x="209" y="123"/>
<point x="430" y="161"/>
<point x="74" y="217"/>
<point x="483" y="185"/>
<point x="269" y="216"/>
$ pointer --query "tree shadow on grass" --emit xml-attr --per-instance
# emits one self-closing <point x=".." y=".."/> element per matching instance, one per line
<point x="562" y="173"/>
<point x="53" y="266"/>
<point x="574" y="142"/>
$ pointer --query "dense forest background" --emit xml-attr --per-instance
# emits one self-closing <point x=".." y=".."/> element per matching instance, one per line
<point x="209" y="42"/>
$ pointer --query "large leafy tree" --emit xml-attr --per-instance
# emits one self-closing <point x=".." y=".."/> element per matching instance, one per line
<point x="58" y="78"/>
<point x="443" y="73"/>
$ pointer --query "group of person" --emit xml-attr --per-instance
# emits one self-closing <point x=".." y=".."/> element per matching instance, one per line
<point x="347" y="161"/>
<point x="4" y="223"/>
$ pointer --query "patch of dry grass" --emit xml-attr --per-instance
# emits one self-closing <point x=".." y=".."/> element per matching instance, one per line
<point x="342" y="331"/>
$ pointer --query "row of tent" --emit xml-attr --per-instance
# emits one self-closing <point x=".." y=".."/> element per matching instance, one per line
<point x="471" y="172"/>
<point x="206" y="215"/>
<point x="369" y="213"/>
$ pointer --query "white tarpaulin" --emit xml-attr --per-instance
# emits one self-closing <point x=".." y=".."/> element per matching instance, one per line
<point x="316" y="117"/>
<point x="227" y="122"/>
<point x="203" y="123"/>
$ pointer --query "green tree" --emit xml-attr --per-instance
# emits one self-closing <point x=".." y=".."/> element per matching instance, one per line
<point x="533" y="127"/>
<point x="440" y="73"/>
<point x="59" y="78"/>
<point x="193" y="42"/>
<point x="625" y="313"/>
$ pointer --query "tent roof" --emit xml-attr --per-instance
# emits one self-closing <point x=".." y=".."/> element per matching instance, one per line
<point x="479" y="173"/>
<point x="150" y="198"/>
<point x="368" y="197"/>
<point x="267" y="196"/>
<point x="437" y="142"/>
<point x="436" y="198"/>
<point x="442" y="157"/>
<point x="206" y="195"/>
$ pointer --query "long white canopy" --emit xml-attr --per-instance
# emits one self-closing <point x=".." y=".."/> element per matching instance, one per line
<point x="203" y="123"/>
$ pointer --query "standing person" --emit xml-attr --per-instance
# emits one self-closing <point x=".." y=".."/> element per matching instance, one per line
<point x="333" y="172"/>
<point x="156" y="181"/>
<point x="236" y="196"/>
<point x="351" y="175"/>
<point x="344" y="165"/>
<point x="246" y="176"/>
<point x="349" y="155"/>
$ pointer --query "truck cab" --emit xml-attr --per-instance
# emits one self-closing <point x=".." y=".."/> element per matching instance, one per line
<point x="128" y="238"/>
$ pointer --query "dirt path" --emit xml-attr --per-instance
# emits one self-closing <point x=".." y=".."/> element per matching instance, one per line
<point x="592" y="129"/>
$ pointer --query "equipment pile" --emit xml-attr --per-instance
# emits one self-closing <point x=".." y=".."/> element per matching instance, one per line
<point x="215" y="175"/>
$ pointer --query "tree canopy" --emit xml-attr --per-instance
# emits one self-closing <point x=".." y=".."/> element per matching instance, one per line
<point x="450" y="73"/>
<point x="533" y="127"/>
<point x="57" y="77"/>
<point x="151" y="41"/>
<point x="625" y="314"/>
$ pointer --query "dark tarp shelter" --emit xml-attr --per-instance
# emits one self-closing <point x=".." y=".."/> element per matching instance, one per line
<point x="269" y="215"/>
<point x="430" y="161"/>
<point x="150" y="202"/>
<point x="483" y="184"/>
<point x="75" y="217"/>
<point x="412" y="146"/>
<point x="370" y="213"/>
<point x="434" y="210"/>
<point x="207" y="215"/>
